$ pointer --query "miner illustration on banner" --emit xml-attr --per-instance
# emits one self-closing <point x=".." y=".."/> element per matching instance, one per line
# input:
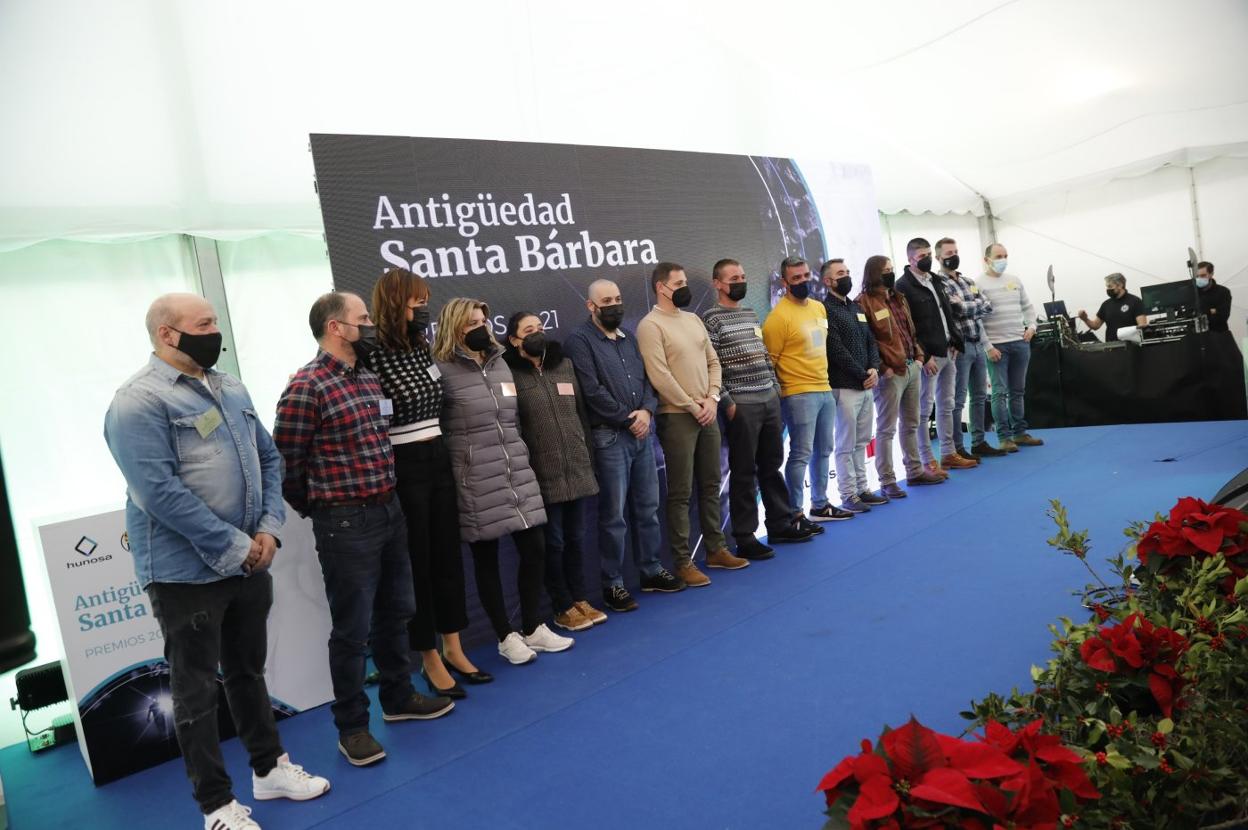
<point x="203" y="509"/>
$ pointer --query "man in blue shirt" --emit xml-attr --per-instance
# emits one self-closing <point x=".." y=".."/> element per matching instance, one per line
<point x="203" y="510"/>
<point x="621" y="406"/>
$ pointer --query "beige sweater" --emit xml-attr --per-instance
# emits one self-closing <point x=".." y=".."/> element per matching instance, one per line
<point x="680" y="361"/>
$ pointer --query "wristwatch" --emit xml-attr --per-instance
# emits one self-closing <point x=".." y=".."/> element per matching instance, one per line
<point x="715" y="397"/>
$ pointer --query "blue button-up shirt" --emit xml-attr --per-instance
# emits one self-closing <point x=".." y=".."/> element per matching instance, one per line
<point x="611" y="373"/>
<point x="193" y="501"/>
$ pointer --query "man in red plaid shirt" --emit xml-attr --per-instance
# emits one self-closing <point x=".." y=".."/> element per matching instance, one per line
<point x="332" y="430"/>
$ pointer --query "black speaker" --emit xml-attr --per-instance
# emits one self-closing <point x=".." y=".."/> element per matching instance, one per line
<point x="17" y="641"/>
<point x="1235" y="492"/>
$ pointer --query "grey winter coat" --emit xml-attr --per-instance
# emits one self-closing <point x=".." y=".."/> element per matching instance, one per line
<point x="554" y="425"/>
<point x="498" y="491"/>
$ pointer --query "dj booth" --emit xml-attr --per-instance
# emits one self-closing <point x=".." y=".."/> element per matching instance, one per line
<point x="1198" y="376"/>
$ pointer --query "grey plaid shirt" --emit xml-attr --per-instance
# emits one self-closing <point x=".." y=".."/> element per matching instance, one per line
<point x="969" y="306"/>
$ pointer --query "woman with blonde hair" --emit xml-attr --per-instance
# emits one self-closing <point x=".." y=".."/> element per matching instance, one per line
<point x="498" y="491"/>
<point x="425" y="481"/>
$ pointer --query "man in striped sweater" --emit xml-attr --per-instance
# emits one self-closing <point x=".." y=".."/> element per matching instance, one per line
<point x="750" y="403"/>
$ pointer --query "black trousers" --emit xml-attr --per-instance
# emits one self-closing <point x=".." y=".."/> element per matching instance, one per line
<point x="218" y="623"/>
<point x="530" y="543"/>
<point x="756" y="450"/>
<point x="426" y="488"/>
<point x="565" y="553"/>
<point x="368" y="582"/>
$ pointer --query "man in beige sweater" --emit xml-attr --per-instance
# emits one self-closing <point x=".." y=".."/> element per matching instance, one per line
<point x="684" y="370"/>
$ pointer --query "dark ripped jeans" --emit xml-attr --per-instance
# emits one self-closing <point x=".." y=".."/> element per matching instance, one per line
<point x="218" y="623"/>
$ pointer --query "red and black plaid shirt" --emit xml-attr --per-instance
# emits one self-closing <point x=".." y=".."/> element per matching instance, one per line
<point x="332" y="435"/>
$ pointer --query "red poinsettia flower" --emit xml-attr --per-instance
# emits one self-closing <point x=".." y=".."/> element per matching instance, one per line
<point x="1046" y="768"/>
<point x="1195" y="528"/>
<point x="1137" y="644"/>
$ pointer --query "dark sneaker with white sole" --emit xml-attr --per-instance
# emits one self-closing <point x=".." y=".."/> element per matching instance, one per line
<point x="828" y="513"/>
<point x="419" y="707"/>
<point x="360" y="748"/>
<point x="854" y="505"/>
<point x="617" y="598"/>
<point x="663" y="582"/>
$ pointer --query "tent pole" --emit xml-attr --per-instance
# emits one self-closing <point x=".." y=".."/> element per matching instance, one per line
<point x="212" y="287"/>
<point x="1200" y="247"/>
<point x="987" y="226"/>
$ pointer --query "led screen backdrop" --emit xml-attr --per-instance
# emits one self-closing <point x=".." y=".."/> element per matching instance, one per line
<point x="529" y="226"/>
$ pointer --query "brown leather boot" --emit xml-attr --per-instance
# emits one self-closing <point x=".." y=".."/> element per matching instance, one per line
<point x="724" y="559"/>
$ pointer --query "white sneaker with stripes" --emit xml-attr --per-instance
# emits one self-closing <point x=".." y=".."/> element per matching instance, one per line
<point x="232" y="816"/>
<point x="287" y="780"/>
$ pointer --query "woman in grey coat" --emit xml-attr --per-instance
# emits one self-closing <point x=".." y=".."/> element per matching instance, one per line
<point x="498" y="492"/>
<point x="555" y="424"/>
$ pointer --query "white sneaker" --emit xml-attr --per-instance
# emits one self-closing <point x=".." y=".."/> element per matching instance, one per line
<point x="543" y="639"/>
<point x="287" y="780"/>
<point x="232" y="816"/>
<point x="515" y="650"/>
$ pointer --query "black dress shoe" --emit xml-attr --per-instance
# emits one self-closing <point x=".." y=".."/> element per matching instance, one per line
<point x="456" y="692"/>
<point x="790" y="535"/>
<point x="474" y="678"/>
<point x="754" y="550"/>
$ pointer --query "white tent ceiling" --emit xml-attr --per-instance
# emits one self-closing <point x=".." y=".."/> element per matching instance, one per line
<point x="152" y="116"/>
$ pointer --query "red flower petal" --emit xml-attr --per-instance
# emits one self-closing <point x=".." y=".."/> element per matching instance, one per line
<point x="876" y="800"/>
<point x="913" y="749"/>
<point x="1162" y="693"/>
<point x="947" y="786"/>
<point x="978" y="760"/>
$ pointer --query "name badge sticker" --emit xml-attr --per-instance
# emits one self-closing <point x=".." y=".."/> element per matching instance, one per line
<point x="882" y="314"/>
<point x="434" y="372"/>
<point x="509" y="390"/>
<point x="565" y="388"/>
<point x="862" y="318"/>
<point x="387" y="407"/>
<point x="823" y="323"/>
<point x="207" y="423"/>
<point x="758" y="332"/>
<point x="974" y="289"/>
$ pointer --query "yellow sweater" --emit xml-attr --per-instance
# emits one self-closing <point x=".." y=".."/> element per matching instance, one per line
<point x="796" y="338"/>
<point x="680" y="361"/>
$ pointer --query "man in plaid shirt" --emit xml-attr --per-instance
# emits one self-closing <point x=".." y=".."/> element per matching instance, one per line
<point x="332" y="430"/>
<point x="969" y="308"/>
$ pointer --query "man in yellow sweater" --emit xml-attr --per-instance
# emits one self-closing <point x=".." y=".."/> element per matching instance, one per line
<point x="795" y="334"/>
<point x="684" y="370"/>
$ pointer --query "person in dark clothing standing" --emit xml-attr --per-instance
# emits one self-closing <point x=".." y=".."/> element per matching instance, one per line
<point x="424" y="481"/>
<point x="554" y="425"/>
<point x="1121" y="310"/>
<point x="1215" y="298"/>
<point x="750" y="404"/>
<point x="938" y="333"/>
<point x="332" y="428"/>
<point x="853" y="371"/>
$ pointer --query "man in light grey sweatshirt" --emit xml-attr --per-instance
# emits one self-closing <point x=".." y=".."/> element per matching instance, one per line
<point x="1008" y="329"/>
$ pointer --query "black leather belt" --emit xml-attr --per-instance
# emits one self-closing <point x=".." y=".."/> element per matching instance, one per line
<point x="370" y="501"/>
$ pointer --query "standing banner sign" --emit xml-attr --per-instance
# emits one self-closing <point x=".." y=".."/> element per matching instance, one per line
<point x="115" y="670"/>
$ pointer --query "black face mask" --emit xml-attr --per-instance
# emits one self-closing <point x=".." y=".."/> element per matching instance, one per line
<point x="478" y="340"/>
<point x="1111" y="293"/>
<point x="367" y="344"/>
<point x="843" y="286"/>
<point x="924" y="264"/>
<point x="611" y="316"/>
<point x="419" y="322"/>
<point x="535" y="344"/>
<point x="951" y="263"/>
<point x="889" y="279"/>
<point x="204" y="349"/>
<point x="800" y="291"/>
<point x="736" y="292"/>
<point x="682" y="296"/>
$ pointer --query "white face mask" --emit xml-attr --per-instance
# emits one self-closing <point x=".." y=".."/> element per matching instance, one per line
<point x="998" y="265"/>
<point x="1202" y="282"/>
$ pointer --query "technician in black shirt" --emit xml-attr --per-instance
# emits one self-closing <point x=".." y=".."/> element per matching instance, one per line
<point x="1215" y="299"/>
<point x="1119" y="311"/>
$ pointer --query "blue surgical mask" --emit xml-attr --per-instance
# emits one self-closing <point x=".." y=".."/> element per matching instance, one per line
<point x="998" y="265"/>
<point x="1202" y="282"/>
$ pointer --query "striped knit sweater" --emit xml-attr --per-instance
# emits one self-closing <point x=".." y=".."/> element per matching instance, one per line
<point x="1012" y="311"/>
<point x="748" y="376"/>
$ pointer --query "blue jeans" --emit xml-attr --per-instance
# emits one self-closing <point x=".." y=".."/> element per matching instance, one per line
<point x="368" y="581"/>
<point x="565" y="553"/>
<point x="811" y="421"/>
<point x="972" y="375"/>
<point x="1009" y="386"/>
<point x="628" y="477"/>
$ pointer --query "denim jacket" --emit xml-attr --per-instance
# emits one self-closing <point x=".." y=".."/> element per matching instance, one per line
<point x="193" y="503"/>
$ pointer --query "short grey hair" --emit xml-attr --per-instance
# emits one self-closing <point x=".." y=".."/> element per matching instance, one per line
<point x="1115" y="279"/>
<point x="160" y="313"/>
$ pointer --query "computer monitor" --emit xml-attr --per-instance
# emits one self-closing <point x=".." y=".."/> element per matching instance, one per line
<point x="1168" y="296"/>
<point x="1056" y="309"/>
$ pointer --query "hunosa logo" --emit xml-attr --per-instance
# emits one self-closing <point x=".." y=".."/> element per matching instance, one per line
<point x="86" y="547"/>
